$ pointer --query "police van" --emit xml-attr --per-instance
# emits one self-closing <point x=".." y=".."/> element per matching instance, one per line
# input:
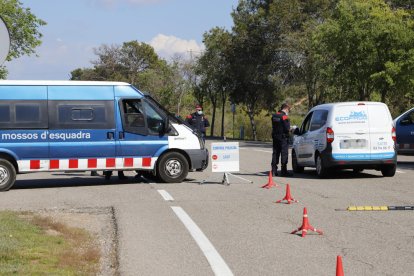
<point x="88" y="126"/>
<point x="348" y="135"/>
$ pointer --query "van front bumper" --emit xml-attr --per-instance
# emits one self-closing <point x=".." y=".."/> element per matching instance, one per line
<point x="198" y="159"/>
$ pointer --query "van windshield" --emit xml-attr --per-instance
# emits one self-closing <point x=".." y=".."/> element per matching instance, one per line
<point x="171" y="116"/>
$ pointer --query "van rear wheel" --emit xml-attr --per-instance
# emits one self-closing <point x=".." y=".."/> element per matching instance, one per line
<point x="389" y="170"/>
<point x="172" y="167"/>
<point x="7" y="175"/>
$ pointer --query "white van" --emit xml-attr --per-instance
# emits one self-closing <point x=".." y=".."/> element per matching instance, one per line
<point x="348" y="135"/>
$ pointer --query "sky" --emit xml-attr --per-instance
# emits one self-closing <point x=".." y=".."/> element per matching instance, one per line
<point x="75" y="27"/>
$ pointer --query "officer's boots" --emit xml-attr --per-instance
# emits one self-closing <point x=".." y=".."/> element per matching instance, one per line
<point x="274" y="171"/>
<point x="285" y="172"/>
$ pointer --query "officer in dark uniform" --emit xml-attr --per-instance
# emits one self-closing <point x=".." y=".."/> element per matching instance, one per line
<point x="198" y="121"/>
<point x="280" y="135"/>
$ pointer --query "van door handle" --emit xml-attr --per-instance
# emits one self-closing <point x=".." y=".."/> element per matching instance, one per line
<point x="121" y="135"/>
<point x="360" y="132"/>
<point x="110" y="135"/>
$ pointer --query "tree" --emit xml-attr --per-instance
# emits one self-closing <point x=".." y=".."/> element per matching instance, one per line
<point x="369" y="47"/>
<point x="138" y="64"/>
<point x="254" y="57"/>
<point x="23" y="27"/>
<point x="212" y="68"/>
<point x="302" y="65"/>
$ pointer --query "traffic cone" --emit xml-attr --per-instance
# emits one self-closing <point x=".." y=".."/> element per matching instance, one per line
<point x="287" y="197"/>
<point x="339" y="268"/>
<point x="306" y="226"/>
<point x="270" y="182"/>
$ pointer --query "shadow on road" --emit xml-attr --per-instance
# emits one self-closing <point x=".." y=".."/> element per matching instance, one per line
<point x="406" y="165"/>
<point x="74" y="181"/>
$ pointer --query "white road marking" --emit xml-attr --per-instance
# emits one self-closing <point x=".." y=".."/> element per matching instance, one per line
<point x="217" y="263"/>
<point x="399" y="171"/>
<point x="268" y="151"/>
<point x="166" y="195"/>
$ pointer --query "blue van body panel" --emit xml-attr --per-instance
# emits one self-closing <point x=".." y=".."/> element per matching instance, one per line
<point x="14" y="92"/>
<point x="161" y="150"/>
<point x="127" y="91"/>
<point x="70" y="143"/>
<point x="81" y="93"/>
<point x="135" y="144"/>
<point x="25" y="144"/>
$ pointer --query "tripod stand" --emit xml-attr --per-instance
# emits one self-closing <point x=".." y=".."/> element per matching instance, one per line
<point x="226" y="179"/>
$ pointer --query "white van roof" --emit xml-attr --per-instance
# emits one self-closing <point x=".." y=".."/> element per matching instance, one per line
<point x="58" y="82"/>
<point x="331" y="105"/>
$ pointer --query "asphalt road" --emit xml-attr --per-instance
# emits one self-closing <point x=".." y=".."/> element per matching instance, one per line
<point x="241" y="230"/>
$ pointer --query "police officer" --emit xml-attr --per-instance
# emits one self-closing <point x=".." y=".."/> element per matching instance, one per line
<point x="280" y="135"/>
<point x="198" y="121"/>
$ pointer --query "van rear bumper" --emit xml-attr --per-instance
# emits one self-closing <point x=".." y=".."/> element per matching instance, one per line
<point x="198" y="158"/>
<point x="329" y="161"/>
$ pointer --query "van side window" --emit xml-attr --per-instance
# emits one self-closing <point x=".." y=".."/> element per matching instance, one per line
<point x="23" y="115"/>
<point x="154" y="119"/>
<point x="318" y="119"/>
<point x="133" y="116"/>
<point x="408" y="119"/>
<point x="306" y="124"/>
<point x="4" y="113"/>
<point x="133" y="113"/>
<point x="81" y="115"/>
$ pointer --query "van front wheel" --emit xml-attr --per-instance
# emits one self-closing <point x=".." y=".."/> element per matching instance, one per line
<point x="321" y="169"/>
<point x="172" y="167"/>
<point x="388" y="171"/>
<point x="7" y="175"/>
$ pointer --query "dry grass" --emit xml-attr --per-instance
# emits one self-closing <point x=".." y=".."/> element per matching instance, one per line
<point x="83" y="251"/>
<point x="31" y="244"/>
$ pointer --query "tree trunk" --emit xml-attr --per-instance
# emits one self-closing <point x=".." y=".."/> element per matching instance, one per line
<point x="213" y="119"/>
<point x="250" y="113"/>
<point x="223" y="107"/>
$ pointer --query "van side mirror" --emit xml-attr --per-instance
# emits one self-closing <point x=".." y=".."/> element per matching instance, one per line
<point x="296" y="131"/>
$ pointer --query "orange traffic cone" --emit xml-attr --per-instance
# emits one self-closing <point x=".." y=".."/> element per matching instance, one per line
<point x="287" y="197"/>
<point x="306" y="226"/>
<point x="339" y="269"/>
<point x="270" y="182"/>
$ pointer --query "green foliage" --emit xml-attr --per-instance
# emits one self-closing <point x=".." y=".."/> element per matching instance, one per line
<point x="23" y="27"/>
<point x="367" y="47"/>
<point x="137" y="63"/>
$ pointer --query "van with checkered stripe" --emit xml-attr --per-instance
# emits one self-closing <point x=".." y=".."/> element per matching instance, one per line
<point x="90" y="126"/>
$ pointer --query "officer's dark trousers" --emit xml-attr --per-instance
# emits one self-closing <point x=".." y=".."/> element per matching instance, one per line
<point x="280" y="149"/>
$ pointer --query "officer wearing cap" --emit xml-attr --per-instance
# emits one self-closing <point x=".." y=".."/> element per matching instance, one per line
<point x="198" y="121"/>
<point x="280" y="135"/>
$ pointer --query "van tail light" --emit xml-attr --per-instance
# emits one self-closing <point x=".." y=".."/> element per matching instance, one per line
<point x="393" y="134"/>
<point x="330" y="135"/>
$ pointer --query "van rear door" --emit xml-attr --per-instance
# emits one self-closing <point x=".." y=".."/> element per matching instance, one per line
<point x="380" y="126"/>
<point x="351" y="128"/>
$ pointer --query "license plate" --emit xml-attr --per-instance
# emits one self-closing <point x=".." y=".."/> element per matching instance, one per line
<point x="353" y="144"/>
